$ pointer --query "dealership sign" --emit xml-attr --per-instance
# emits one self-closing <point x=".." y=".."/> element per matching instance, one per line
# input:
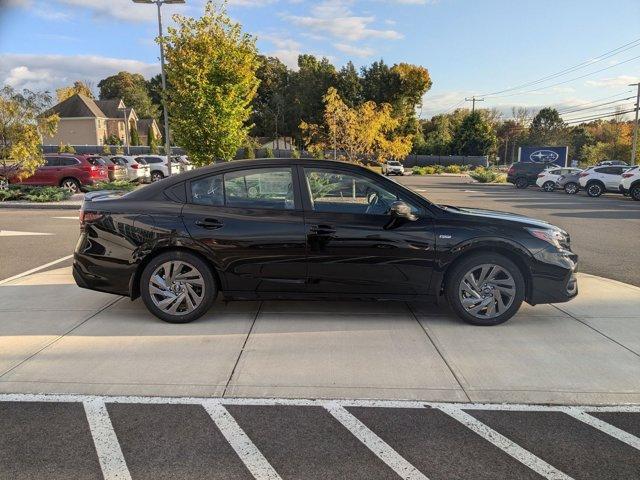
<point x="555" y="155"/>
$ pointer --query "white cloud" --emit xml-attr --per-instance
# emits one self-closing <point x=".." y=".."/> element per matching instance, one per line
<point x="613" y="82"/>
<point x="122" y="9"/>
<point x="334" y="18"/>
<point x="48" y="72"/>
<point x="354" y="50"/>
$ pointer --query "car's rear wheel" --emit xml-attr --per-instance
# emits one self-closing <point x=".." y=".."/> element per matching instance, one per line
<point x="548" y="186"/>
<point x="70" y="184"/>
<point x="485" y="289"/>
<point x="521" y="182"/>
<point x="634" y="193"/>
<point x="178" y="287"/>
<point x="156" y="176"/>
<point x="595" y="189"/>
<point x="571" y="188"/>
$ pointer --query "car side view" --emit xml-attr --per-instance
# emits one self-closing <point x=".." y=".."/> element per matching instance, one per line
<point x="295" y="228"/>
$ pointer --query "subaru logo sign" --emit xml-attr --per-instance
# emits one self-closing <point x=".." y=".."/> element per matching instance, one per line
<point x="544" y="156"/>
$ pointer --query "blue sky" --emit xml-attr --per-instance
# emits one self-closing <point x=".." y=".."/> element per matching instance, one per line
<point x="470" y="47"/>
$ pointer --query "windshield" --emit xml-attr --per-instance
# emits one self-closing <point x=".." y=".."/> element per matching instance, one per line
<point x="395" y="164"/>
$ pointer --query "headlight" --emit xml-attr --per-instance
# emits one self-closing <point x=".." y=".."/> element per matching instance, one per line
<point x="557" y="238"/>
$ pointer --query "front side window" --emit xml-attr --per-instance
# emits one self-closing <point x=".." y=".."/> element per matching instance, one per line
<point x="260" y="188"/>
<point x="335" y="191"/>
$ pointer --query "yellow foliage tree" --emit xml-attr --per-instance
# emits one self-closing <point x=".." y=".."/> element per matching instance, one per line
<point x="83" y="88"/>
<point x="357" y="133"/>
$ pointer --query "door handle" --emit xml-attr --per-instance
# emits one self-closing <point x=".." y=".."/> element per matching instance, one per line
<point x="209" y="223"/>
<point x="322" y="230"/>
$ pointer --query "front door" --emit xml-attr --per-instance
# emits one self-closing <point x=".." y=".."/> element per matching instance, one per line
<point x="252" y="222"/>
<point x="354" y="246"/>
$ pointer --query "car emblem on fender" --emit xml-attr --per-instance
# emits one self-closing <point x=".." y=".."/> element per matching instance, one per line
<point x="544" y="156"/>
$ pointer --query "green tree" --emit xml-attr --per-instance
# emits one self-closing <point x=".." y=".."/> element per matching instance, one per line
<point x="134" y="137"/>
<point x="23" y="121"/>
<point x="152" y="141"/>
<point x="269" y="105"/>
<point x="113" y="140"/>
<point x="133" y="89"/>
<point x="80" y="87"/>
<point x="106" y="150"/>
<point x="438" y="136"/>
<point x="548" y="128"/>
<point x="211" y="68"/>
<point x="475" y="136"/>
<point x="349" y="86"/>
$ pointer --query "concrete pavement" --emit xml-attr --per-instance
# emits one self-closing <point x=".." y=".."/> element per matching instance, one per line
<point x="58" y="338"/>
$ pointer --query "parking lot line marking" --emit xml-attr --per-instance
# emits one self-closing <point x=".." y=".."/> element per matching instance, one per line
<point x="112" y="462"/>
<point x="67" y="218"/>
<point x="374" y="443"/>
<point x="508" y="446"/>
<point x="605" y="427"/>
<point x="252" y="458"/>
<point x="34" y="270"/>
<point x="14" y="233"/>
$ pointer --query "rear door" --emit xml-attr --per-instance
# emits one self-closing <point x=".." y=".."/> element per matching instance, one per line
<point x="353" y="246"/>
<point x="45" y="174"/>
<point x="251" y="221"/>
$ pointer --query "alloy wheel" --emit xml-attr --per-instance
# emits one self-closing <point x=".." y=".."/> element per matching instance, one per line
<point x="571" y="188"/>
<point x="70" y="185"/>
<point x="156" y="177"/>
<point x="548" y="187"/>
<point x="594" y="190"/>
<point x="176" y="287"/>
<point x="487" y="291"/>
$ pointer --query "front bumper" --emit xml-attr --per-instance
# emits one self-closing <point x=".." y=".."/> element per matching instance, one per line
<point x="553" y="276"/>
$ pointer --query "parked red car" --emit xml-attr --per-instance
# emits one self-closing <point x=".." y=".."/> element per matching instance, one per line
<point x="68" y="170"/>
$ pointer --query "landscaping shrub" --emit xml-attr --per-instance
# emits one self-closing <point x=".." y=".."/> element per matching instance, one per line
<point x="10" y="193"/>
<point x="124" y="185"/>
<point x="45" y="194"/>
<point x="453" y="169"/>
<point x="269" y="152"/>
<point x="486" y="175"/>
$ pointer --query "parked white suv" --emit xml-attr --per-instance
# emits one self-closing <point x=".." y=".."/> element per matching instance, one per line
<point x="159" y="166"/>
<point x="630" y="183"/>
<point x="548" y="178"/>
<point x="598" y="180"/>
<point x="137" y="171"/>
<point x="392" y="167"/>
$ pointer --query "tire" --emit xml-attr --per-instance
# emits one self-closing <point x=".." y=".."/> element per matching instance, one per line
<point x="548" y="186"/>
<point x="634" y="193"/>
<point x="508" y="276"/>
<point x="571" y="188"/>
<point x="70" y="184"/>
<point x="156" y="176"/>
<point x="521" y="182"/>
<point x="595" y="189"/>
<point x="202" y="295"/>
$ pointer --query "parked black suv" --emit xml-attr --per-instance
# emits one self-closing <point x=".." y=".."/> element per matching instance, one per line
<point x="523" y="174"/>
<point x="295" y="228"/>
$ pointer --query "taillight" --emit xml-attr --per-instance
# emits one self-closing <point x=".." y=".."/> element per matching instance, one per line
<point x="511" y="170"/>
<point x="540" y="175"/>
<point x="584" y="174"/>
<point x="135" y="166"/>
<point x="87" y="217"/>
<point x="627" y="175"/>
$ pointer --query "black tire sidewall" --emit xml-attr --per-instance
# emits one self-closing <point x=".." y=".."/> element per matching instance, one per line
<point x="594" y="194"/>
<point x="455" y="277"/>
<point x="635" y="193"/>
<point x="211" y="287"/>
<point x="521" y="183"/>
<point x="75" y="182"/>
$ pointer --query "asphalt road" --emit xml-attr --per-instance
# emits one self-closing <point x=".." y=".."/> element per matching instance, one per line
<point x="605" y="231"/>
<point x="62" y="440"/>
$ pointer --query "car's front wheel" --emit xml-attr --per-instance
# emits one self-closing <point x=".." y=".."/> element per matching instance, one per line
<point x="635" y="193"/>
<point x="178" y="287"/>
<point x="485" y="289"/>
<point x="549" y="186"/>
<point x="571" y="188"/>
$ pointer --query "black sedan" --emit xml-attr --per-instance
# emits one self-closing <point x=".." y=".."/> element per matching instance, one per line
<point x="293" y="228"/>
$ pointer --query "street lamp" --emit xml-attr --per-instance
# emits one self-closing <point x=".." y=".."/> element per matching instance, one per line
<point x="167" y="141"/>
<point x="126" y="127"/>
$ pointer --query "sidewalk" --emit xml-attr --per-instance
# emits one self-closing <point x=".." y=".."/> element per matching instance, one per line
<point x="58" y="338"/>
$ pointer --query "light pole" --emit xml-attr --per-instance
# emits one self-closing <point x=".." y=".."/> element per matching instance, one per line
<point x="126" y="128"/>
<point x="634" y="148"/>
<point x="167" y="141"/>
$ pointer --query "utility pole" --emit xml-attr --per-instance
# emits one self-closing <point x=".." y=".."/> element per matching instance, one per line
<point x="634" y="148"/>
<point x="473" y="101"/>
<point x="506" y="146"/>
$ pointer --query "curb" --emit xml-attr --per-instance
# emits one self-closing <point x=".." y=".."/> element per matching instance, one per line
<point x="41" y="206"/>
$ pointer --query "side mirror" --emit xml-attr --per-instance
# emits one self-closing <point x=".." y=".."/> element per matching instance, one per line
<point x="401" y="210"/>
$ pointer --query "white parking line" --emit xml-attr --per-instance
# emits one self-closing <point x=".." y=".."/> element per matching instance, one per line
<point x="34" y="270"/>
<point x="112" y="462"/>
<point x="503" y="443"/>
<point x="374" y="443"/>
<point x="67" y="218"/>
<point x="605" y="427"/>
<point x="15" y="233"/>
<point x="253" y="459"/>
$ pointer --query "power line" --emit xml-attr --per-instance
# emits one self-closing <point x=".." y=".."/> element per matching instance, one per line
<point x="568" y="81"/>
<point x="594" y="107"/>
<point x="589" y="119"/>
<point x="586" y="104"/>
<point x="604" y="56"/>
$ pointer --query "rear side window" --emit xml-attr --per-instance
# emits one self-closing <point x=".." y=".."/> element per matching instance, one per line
<point x="153" y="160"/>
<point x="208" y="191"/>
<point x="260" y="188"/>
<point x="51" y="162"/>
<point x="68" y="162"/>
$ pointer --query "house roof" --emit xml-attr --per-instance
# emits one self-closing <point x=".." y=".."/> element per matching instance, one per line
<point x="77" y="106"/>
<point x="110" y="107"/>
<point x="144" y="124"/>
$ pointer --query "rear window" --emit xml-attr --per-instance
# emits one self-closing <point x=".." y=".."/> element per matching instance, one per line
<point x="96" y="161"/>
<point x="141" y="161"/>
